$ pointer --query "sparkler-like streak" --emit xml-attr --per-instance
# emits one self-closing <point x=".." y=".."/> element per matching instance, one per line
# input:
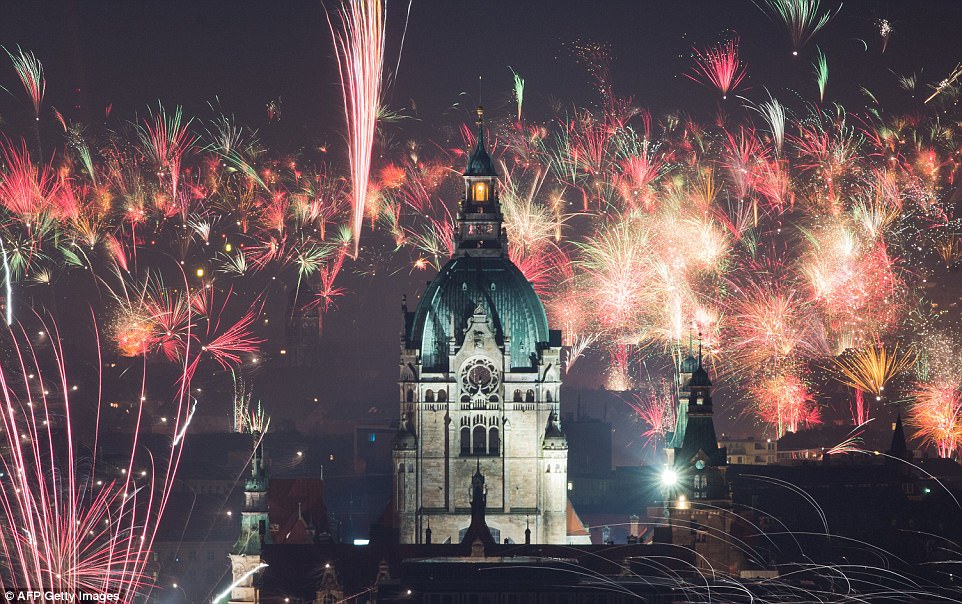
<point x="237" y="582"/>
<point x="79" y="524"/>
<point x="360" y="54"/>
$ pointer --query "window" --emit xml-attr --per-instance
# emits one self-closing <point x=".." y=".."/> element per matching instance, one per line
<point x="480" y="191"/>
<point x="410" y="396"/>
<point x="700" y="486"/>
<point x="429" y="396"/>
<point x="517" y="396"/>
<point x="442" y="395"/>
<point x="494" y="442"/>
<point x="479" y="438"/>
<point x="465" y="441"/>
<point x="529" y="396"/>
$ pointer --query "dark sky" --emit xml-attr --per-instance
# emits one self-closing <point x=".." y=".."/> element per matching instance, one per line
<point x="129" y="55"/>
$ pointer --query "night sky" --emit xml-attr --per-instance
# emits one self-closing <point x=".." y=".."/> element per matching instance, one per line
<point x="241" y="55"/>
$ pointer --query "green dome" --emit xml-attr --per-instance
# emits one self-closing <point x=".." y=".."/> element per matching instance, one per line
<point x="506" y="295"/>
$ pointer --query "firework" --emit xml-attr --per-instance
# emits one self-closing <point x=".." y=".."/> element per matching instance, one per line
<point x="884" y="32"/>
<point x="518" y="90"/>
<point x="801" y="19"/>
<point x="937" y="415"/>
<point x="655" y="407"/>
<point x="30" y="72"/>
<point x="719" y="67"/>
<point x="360" y="54"/>
<point x="785" y="403"/>
<point x="820" y="67"/>
<point x="870" y="369"/>
<point x="76" y="525"/>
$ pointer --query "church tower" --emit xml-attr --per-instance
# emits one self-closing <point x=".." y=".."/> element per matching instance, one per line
<point x="480" y="378"/>
<point x="699" y="503"/>
<point x="245" y="557"/>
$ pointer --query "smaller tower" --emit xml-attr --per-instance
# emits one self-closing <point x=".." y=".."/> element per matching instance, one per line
<point x="554" y="451"/>
<point x="245" y="557"/>
<point x="480" y="222"/>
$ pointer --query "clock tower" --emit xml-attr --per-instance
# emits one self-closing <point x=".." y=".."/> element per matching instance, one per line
<point x="480" y="380"/>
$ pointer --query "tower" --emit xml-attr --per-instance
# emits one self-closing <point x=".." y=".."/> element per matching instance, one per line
<point x="245" y="557"/>
<point x="700" y="504"/>
<point x="480" y="377"/>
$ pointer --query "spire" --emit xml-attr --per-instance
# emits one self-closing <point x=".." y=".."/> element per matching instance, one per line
<point x="479" y="162"/>
<point x="478" y="529"/>
<point x="898" y="447"/>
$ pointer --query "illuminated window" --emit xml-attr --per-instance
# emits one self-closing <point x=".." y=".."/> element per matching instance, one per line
<point x="480" y="192"/>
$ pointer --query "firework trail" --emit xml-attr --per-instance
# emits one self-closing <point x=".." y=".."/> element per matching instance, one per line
<point x="884" y="32"/>
<point x="518" y="90"/>
<point x="719" y="66"/>
<point x="801" y="19"/>
<point x="30" y="72"/>
<point x="820" y="67"/>
<point x="360" y="54"/>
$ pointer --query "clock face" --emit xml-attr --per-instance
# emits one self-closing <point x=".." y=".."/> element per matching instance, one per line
<point x="479" y="375"/>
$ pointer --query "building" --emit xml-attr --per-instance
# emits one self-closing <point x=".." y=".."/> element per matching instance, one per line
<point x="698" y="501"/>
<point x="480" y="379"/>
<point x="245" y="557"/>
<point x="750" y="451"/>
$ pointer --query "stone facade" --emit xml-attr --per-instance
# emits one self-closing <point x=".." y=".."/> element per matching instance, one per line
<point x="482" y="411"/>
<point x="480" y="379"/>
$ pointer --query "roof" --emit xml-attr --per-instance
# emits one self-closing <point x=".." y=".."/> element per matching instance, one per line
<point x="700" y="377"/>
<point x="296" y="506"/>
<point x="464" y="282"/>
<point x="576" y="528"/>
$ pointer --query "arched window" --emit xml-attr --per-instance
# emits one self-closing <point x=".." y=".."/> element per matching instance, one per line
<point x="547" y="396"/>
<point x="465" y="441"/>
<point x="529" y="396"/>
<point x="410" y="395"/>
<point x="517" y="396"/>
<point x="429" y="396"/>
<point x="479" y="438"/>
<point x="400" y="468"/>
<point x="494" y="442"/>
<point x="442" y="395"/>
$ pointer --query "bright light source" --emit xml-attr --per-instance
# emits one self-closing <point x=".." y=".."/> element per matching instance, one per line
<point x="200" y="272"/>
<point x="362" y="541"/>
<point x="669" y="477"/>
